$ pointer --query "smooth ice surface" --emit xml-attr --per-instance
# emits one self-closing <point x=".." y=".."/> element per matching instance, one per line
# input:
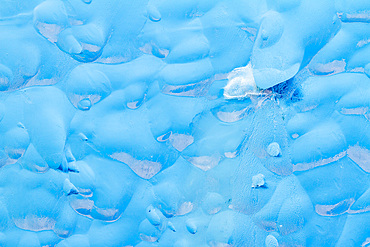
<point x="155" y="123"/>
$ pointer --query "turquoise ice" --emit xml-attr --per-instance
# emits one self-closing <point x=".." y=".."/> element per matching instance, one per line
<point x="184" y="123"/>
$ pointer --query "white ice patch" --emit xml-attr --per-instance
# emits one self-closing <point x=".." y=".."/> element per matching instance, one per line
<point x="143" y="168"/>
<point x="35" y="223"/>
<point x="258" y="181"/>
<point x="241" y="83"/>
<point x="361" y="156"/>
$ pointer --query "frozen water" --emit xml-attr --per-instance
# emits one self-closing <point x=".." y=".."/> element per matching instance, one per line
<point x="271" y="241"/>
<point x="258" y="181"/>
<point x="240" y="83"/>
<point x="155" y="123"/>
<point x="273" y="149"/>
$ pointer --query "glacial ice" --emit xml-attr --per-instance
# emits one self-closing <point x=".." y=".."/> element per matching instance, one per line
<point x="184" y="123"/>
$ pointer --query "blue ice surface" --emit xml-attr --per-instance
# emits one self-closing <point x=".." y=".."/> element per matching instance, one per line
<point x="184" y="123"/>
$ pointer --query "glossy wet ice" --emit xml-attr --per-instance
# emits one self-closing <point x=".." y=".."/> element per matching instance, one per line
<point x="184" y="123"/>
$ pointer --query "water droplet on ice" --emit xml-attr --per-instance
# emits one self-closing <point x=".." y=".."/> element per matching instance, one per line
<point x="274" y="149"/>
<point x="87" y="83"/>
<point x="258" y="181"/>
<point x="154" y="14"/>
<point x="84" y="105"/>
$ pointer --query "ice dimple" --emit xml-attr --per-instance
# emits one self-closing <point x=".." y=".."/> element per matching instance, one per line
<point x="126" y="104"/>
<point x="85" y="83"/>
<point x="50" y="18"/>
<point x="213" y="203"/>
<point x="16" y="142"/>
